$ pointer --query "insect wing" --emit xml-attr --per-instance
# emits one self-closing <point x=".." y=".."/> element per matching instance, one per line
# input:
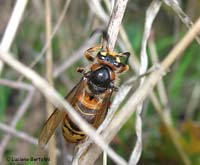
<point x="57" y="116"/>
<point x="50" y="126"/>
<point x="104" y="107"/>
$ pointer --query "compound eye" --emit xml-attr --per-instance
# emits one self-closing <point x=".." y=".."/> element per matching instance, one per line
<point x="102" y="55"/>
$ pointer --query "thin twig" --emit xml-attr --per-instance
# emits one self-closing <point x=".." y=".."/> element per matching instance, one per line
<point x="161" y="88"/>
<point x="164" y="110"/>
<point x="193" y="102"/>
<point x="97" y="9"/>
<point x="174" y="4"/>
<point x="55" y="29"/>
<point x="16" y="85"/>
<point x="115" y="22"/>
<point x="22" y="135"/>
<point x="141" y="93"/>
<point x="19" y="134"/>
<point x="176" y="52"/>
<point x="151" y="14"/>
<point x="12" y="26"/>
<point x="49" y="67"/>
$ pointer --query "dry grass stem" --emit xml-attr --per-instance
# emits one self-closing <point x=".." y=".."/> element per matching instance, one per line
<point x="54" y="31"/>
<point x="19" y="134"/>
<point x="49" y="68"/>
<point x="174" y="4"/>
<point x="105" y="158"/>
<point x="12" y="26"/>
<point x="176" y="52"/>
<point x="16" y="85"/>
<point x="151" y="13"/>
<point x="164" y="110"/>
<point x="141" y="93"/>
<point x="115" y="22"/>
<point x="161" y="88"/>
<point x="96" y="7"/>
<point x="193" y="102"/>
<point x="133" y="61"/>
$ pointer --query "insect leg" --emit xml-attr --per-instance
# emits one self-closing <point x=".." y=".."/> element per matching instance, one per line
<point x="88" y="52"/>
<point x="126" y="55"/>
<point x="123" y="69"/>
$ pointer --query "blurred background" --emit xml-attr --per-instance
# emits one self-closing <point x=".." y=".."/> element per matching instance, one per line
<point x="181" y="85"/>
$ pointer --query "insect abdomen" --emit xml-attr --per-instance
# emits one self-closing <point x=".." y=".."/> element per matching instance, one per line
<point x="71" y="132"/>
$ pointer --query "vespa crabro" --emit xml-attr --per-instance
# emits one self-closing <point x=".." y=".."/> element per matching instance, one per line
<point x="91" y="96"/>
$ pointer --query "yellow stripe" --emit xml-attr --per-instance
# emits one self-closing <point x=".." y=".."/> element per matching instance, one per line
<point x="79" y="109"/>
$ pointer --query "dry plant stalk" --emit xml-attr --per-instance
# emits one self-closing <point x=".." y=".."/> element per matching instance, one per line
<point x="164" y="109"/>
<point x="151" y="14"/>
<point x="16" y="85"/>
<point x="49" y="66"/>
<point x="97" y="9"/>
<point x="55" y="29"/>
<point x="115" y="22"/>
<point x="193" y="102"/>
<point x="174" y="4"/>
<point x="12" y="26"/>
<point x="19" y="134"/>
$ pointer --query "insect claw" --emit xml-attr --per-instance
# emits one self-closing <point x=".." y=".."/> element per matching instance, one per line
<point x="116" y="89"/>
<point x="80" y="70"/>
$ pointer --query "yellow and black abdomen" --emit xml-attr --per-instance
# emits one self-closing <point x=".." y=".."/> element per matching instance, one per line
<point x="91" y="110"/>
